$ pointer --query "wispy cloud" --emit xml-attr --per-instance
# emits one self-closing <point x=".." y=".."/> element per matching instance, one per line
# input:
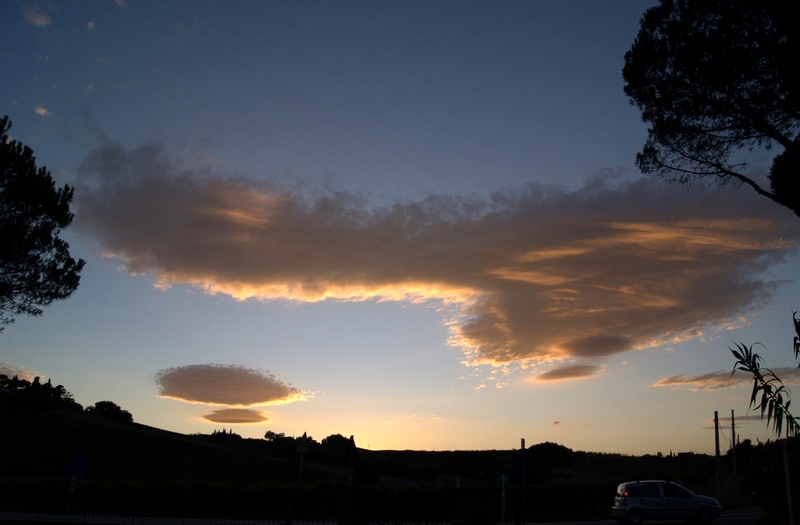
<point x="42" y="111"/>
<point x="36" y="16"/>
<point x="724" y="379"/>
<point x="414" y="418"/>
<point x="231" y="385"/>
<point x="538" y="273"/>
<point x="739" y="419"/>
<point x="10" y="370"/>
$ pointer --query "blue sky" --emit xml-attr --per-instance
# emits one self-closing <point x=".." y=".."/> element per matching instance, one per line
<point x="418" y="223"/>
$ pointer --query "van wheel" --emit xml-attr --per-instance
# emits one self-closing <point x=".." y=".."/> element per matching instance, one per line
<point x="635" y="517"/>
<point x="705" y="516"/>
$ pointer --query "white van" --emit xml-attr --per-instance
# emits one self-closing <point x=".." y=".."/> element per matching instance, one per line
<point x="637" y="501"/>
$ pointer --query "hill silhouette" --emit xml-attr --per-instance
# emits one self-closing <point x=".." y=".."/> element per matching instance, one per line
<point x="67" y="459"/>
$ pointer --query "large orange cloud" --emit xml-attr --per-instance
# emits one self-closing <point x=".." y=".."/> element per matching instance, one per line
<point x="540" y="273"/>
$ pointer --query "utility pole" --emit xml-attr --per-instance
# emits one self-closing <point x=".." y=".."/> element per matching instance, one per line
<point x="719" y="460"/>
<point x="503" y="481"/>
<point x="788" y="479"/>
<point x="522" y="486"/>
<point x="733" y="452"/>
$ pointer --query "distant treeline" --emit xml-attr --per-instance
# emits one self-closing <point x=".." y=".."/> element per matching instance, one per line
<point x="57" y="455"/>
<point x="35" y="395"/>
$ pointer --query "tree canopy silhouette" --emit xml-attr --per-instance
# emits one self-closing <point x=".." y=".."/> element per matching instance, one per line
<point x="21" y="393"/>
<point x="35" y="264"/>
<point x="716" y="79"/>
<point x="110" y="410"/>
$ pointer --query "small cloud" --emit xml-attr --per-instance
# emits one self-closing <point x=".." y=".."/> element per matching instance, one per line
<point x="413" y="418"/>
<point x="740" y="419"/>
<point x="710" y="381"/>
<point x="90" y="25"/>
<point x="121" y="3"/>
<point x="236" y="415"/>
<point x="566" y="373"/>
<point x="723" y="379"/>
<point x="231" y="385"/>
<point x="42" y="111"/>
<point x="36" y="16"/>
<point x="556" y="423"/>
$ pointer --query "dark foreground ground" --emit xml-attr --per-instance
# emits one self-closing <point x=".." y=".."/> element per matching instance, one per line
<point x="66" y="466"/>
<point x="749" y="516"/>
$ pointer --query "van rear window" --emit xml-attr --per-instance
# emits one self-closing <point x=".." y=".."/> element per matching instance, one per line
<point x="649" y="490"/>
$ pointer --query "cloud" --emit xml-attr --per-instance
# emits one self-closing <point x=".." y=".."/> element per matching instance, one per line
<point x="36" y="16"/>
<point x="42" y="111"/>
<point x="230" y="385"/>
<point x="10" y="370"/>
<point x="723" y="379"/>
<point x="740" y="419"/>
<point x="536" y="273"/>
<point x="236" y="416"/>
<point x="568" y="372"/>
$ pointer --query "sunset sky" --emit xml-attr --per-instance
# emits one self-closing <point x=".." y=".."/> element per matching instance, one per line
<point x="415" y="222"/>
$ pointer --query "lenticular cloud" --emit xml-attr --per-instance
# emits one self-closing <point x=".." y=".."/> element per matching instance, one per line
<point x="224" y="385"/>
<point x="236" y="416"/>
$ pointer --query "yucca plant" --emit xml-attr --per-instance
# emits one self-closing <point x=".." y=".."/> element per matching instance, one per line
<point x="769" y="394"/>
